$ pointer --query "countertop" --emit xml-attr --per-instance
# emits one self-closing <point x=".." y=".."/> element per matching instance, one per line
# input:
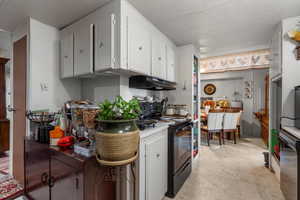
<point x="159" y="127"/>
<point x="292" y="130"/>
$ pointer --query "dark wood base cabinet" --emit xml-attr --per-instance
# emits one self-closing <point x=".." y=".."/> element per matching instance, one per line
<point x="52" y="174"/>
<point x="4" y="136"/>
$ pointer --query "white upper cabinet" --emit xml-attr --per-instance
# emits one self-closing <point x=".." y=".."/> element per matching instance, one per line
<point x="105" y="42"/>
<point x="116" y="36"/>
<point x="83" y="49"/>
<point x="158" y="57"/>
<point x="67" y="57"/>
<point x="170" y="64"/>
<point x="139" y="46"/>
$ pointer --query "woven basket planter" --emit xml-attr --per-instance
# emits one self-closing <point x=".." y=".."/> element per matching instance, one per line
<point x="117" y="142"/>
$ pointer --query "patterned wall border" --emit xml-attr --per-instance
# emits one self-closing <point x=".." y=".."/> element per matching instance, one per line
<point x="258" y="59"/>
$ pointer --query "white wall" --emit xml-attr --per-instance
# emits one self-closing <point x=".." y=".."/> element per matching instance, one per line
<point x="108" y="87"/>
<point x="127" y="93"/>
<point x="44" y="70"/>
<point x="101" y="88"/>
<point x="290" y="71"/>
<point x="183" y="74"/>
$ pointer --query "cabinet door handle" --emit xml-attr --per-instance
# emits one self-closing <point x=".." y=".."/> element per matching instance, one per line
<point x="66" y="57"/>
<point x="140" y="48"/>
<point x="44" y="178"/>
<point x="158" y="155"/>
<point x="159" y="58"/>
<point x="51" y="181"/>
<point x="101" y="45"/>
<point x="77" y="183"/>
<point x="81" y="51"/>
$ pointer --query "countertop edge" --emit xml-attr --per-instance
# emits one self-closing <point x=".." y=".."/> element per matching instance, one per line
<point x="149" y="132"/>
<point x="292" y="130"/>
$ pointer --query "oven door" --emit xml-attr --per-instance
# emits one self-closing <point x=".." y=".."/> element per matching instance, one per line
<point x="182" y="146"/>
<point x="288" y="167"/>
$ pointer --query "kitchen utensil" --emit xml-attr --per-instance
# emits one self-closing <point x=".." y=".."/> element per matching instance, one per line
<point x="170" y="110"/>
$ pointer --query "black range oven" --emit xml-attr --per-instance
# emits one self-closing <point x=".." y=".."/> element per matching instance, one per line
<point x="180" y="156"/>
<point x="289" y="165"/>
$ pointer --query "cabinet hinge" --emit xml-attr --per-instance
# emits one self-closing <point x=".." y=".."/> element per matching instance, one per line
<point x="113" y="60"/>
<point x="113" y="19"/>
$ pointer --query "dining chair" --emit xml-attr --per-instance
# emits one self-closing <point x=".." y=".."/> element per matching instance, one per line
<point x="206" y="109"/>
<point x="230" y="124"/>
<point x="214" y="126"/>
<point x="239" y="124"/>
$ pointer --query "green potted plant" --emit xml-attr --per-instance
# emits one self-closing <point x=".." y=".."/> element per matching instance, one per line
<point x="117" y="136"/>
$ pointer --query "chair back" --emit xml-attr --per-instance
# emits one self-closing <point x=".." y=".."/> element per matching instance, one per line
<point x="239" y="118"/>
<point x="231" y="120"/>
<point x="215" y="121"/>
<point x="206" y="109"/>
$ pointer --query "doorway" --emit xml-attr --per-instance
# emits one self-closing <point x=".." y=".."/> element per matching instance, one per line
<point x="19" y="107"/>
<point x="4" y="121"/>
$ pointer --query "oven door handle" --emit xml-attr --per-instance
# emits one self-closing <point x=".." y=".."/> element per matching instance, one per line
<point x="285" y="139"/>
<point x="184" y="128"/>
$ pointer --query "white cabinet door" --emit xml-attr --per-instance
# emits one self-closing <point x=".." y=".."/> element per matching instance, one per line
<point x="83" y="49"/>
<point x="170" y="64"/>
<point x="142" y="171"/>
<point x="158" y="57"/>
<point x="139" y="42"/>
<point x="67" y="57"/>
<point x="104" y="42"/>
<point x="154" y="169"/>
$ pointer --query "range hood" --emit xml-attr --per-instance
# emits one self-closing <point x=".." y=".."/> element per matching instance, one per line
<point x="150" y="83"/>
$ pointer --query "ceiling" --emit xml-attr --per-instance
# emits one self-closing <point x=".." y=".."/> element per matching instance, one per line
<point x="216" y="26"/>
<point x="58" y="13"/>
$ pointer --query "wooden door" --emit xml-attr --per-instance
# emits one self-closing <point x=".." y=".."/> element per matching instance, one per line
<point x="154" y="169"/>
<point x="67" y="56"/>
<point x="66" y="182"/>
<point x="19" y="104"/>
<point x="104" y="42"/>
<point x="139" y="46"/>
<point x="37" y="170"/>
<point x="83" y="49"/>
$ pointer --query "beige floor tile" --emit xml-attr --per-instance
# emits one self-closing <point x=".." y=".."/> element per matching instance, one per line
<point x="231" y="172"/>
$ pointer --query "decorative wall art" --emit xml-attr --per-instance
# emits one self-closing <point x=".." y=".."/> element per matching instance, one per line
<point x="294" y="35"/>
<point x="233" y="62"/>
<point x="209" y="89"/>
<point x="248" y="89"/>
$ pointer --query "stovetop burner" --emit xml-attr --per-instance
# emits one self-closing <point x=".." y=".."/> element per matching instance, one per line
<point x="146" y="123"/>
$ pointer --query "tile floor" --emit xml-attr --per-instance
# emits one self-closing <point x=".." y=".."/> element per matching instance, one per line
<point x="231" y="172"/>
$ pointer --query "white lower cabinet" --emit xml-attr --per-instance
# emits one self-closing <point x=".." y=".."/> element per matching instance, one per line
<point x="153" y="166"/>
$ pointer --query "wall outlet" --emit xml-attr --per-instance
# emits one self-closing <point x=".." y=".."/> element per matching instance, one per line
<point x="44" y="87"/>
